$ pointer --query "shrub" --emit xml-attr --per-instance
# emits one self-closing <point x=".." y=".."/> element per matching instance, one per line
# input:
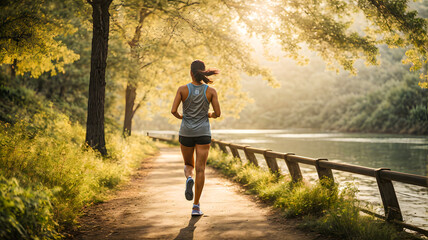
<point x="50" y="150"/>
<point x="419" y="114"/>
<point x="25" y="213"/>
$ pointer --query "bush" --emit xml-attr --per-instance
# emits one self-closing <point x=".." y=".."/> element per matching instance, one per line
<point x="304" y="199"/>
<point x="49" y="150"/>
<point x="345" y="221"/>
<point x="419" y="114"/>
<point x="25" y="213"/>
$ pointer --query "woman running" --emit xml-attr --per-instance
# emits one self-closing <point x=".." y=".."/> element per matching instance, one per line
<point x="195" y="132"/>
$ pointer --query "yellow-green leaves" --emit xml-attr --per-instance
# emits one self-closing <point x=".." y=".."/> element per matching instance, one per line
<point x="424" y="82"/>
<point x="29" y="37"/>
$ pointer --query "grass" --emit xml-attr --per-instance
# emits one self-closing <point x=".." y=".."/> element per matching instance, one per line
<point x="321" y="205"/>
<point x="48" y="174"/>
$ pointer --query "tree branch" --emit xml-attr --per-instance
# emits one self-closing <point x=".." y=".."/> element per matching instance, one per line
<point x="144" y="12"/>
<point x="139" y="103"/>
<point x="121" y="29"/>
<point x="147" y="64"/>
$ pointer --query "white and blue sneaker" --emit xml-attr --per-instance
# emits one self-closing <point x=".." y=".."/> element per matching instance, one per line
<point x="189" y="189"/>
<point x="196" y="211"/>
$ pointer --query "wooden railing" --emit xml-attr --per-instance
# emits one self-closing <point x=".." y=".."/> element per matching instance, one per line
<point x="383" y="176"/>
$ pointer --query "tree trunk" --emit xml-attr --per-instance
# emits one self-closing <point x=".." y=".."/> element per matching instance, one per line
<point x="131" y="90"/>
<point x="131" y="94"/>
<point x="61" y="91"/>
<point x="40" y="85"/>
<point x="13" y="69"/>
<point x="95" y="136"/>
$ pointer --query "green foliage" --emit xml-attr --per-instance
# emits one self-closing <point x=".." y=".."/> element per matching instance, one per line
<point x="16" y="101"/>
<point x="49" y="150"/>
<point x="313" y="200"/>
<point x="346" y="222"/>
<point x="61" y="82"/>
<point x="45" y="152"/>
<point x="419" y="113"/>
<point x="28" y="37"/>
<point x="322" y="206"/>
<point x="25" y="213"/>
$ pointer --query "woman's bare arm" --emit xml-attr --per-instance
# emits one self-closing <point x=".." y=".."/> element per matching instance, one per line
<point x="176" y="104"/>
<point x="216" y="105"/>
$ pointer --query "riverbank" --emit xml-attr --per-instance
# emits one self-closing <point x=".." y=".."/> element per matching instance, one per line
<point x="325" y="209"/>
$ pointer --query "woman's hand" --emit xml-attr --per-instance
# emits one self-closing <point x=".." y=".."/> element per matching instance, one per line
<point x="212" y="115"/>
<point x="177" y="115"/>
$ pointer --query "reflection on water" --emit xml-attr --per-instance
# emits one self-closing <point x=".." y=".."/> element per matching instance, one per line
<point x="305" y="135"/>
<point x="249" y="141"/>
<point x="403" y="153"/>
<point x="380" y="140"/>
<point x="247" y="131"/>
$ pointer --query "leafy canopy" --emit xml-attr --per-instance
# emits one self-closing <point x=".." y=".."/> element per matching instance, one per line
<point x="28" y="36"/>
<point x="334" y="29"/>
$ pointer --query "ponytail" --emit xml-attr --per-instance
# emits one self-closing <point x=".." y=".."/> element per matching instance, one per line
<point x="199" y="73"/>
<point x="202" y="75"/>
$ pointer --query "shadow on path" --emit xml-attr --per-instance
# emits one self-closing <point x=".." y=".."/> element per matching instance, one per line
<point x="187" y="232"/>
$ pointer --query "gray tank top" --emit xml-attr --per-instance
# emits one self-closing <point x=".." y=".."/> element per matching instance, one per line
<point x="195" y="121"/>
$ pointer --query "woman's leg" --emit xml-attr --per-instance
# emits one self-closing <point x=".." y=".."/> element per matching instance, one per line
<point x="201" y="160"/>
<point x="189" y="160"/>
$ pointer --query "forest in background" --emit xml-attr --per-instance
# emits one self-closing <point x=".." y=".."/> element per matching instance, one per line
<point x="382" y="99"/>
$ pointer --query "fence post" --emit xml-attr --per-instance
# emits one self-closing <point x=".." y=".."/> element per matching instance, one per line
<point x="293" y="168"/>
<point x="234" y="151"/>
<point x="271" y="162"/>
<point x="323" y="172"/>
<point x="389" y="198"/>
<point x="212" y="143"/>
<point x="251" y="157"/>
<point x="222" y="147"/>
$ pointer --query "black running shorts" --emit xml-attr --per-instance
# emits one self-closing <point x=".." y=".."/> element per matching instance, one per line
<point x="192" y="141"/>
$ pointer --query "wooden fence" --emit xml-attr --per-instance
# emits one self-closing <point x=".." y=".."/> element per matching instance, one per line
<point x="383" y="176"/>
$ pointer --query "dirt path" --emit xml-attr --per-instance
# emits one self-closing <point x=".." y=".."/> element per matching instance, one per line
<point x="152" y="206"/>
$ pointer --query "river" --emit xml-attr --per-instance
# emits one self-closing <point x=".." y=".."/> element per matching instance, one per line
<point x="403" y="153"/>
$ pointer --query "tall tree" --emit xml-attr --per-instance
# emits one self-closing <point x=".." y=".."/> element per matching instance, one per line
<point x="95" y="135"/>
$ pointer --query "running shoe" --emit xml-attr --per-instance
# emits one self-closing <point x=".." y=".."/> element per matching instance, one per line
<point x="189" y="189"/>
<point x="196" y="211"/>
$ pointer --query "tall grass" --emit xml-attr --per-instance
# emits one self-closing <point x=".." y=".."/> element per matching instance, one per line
<point x="48" y="164"/>
<point x="321" y="205"/>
